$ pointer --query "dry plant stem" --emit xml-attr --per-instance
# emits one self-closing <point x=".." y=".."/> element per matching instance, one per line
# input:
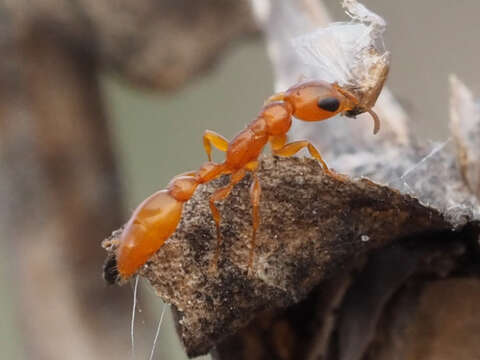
<point x="312" y="226"/>
<point x="371" y="313"/>
<point x="465" y="128"/>
<point x="391" y="308"/>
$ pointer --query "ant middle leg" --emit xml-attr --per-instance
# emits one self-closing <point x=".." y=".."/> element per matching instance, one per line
<point x="218" y="195"/>
<point x="212" y="138"/>
<point x="292" y="148"/>
<point x="277" y="142"/>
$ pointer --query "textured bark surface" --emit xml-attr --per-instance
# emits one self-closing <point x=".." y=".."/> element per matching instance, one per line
<point x="341" y="267"/>
<point x="415" y="298"/>
<point x="313" y="227"/>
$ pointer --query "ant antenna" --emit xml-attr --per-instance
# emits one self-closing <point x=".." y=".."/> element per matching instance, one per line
<point x="353" y="98"/>
<point x="376" y="121"/>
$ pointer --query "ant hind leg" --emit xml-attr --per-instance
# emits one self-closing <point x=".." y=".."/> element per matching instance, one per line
<point x="218" y="195"/>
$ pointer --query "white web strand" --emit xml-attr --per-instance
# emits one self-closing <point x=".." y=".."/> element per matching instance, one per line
<point x="132" y="326"/>
<point x="157" y="332"/>
<point x="435" y="150"/>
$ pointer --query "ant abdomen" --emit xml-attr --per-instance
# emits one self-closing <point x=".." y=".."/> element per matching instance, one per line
<point x="154" y="220"/>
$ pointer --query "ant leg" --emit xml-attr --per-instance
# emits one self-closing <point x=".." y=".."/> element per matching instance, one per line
<point x="255" y="191"/>
<point x="277" y="142"/>
<point x="187" y="173"/>
<point x="346" y="93"/>
<point x="252" y="166"/>
<point x="292" y="148"/>
<point x="212" y="138"/>
<point x="275" y="97"/>
<point x="221" y="194"/>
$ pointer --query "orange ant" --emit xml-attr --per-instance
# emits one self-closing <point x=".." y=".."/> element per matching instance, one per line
<point x="157" y="217"/>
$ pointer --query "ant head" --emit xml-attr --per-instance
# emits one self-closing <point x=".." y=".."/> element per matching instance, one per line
<point x="319" y="100"/>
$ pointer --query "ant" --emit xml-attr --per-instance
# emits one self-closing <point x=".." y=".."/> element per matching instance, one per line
<point x="157" y="217"/>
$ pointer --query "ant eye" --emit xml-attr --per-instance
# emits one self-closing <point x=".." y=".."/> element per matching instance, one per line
<point x="329" y="104"/>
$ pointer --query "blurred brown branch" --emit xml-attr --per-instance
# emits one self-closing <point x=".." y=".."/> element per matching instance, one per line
<point x="161" y="44"/>
<point x="61" y="188"/>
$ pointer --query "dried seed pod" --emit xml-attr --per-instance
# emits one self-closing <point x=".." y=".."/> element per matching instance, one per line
<point x="351" y="54"/>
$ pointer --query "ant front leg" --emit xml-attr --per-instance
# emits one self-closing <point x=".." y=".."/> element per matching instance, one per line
<point x="218" y="195"/>
<point x="212" y="138"/>
<point x="187" y="173"/>
<point x="292" y="148"/>
<point x="275" y="97"/>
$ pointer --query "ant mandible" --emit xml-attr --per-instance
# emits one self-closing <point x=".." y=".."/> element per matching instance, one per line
<point x="157" y="217"/>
